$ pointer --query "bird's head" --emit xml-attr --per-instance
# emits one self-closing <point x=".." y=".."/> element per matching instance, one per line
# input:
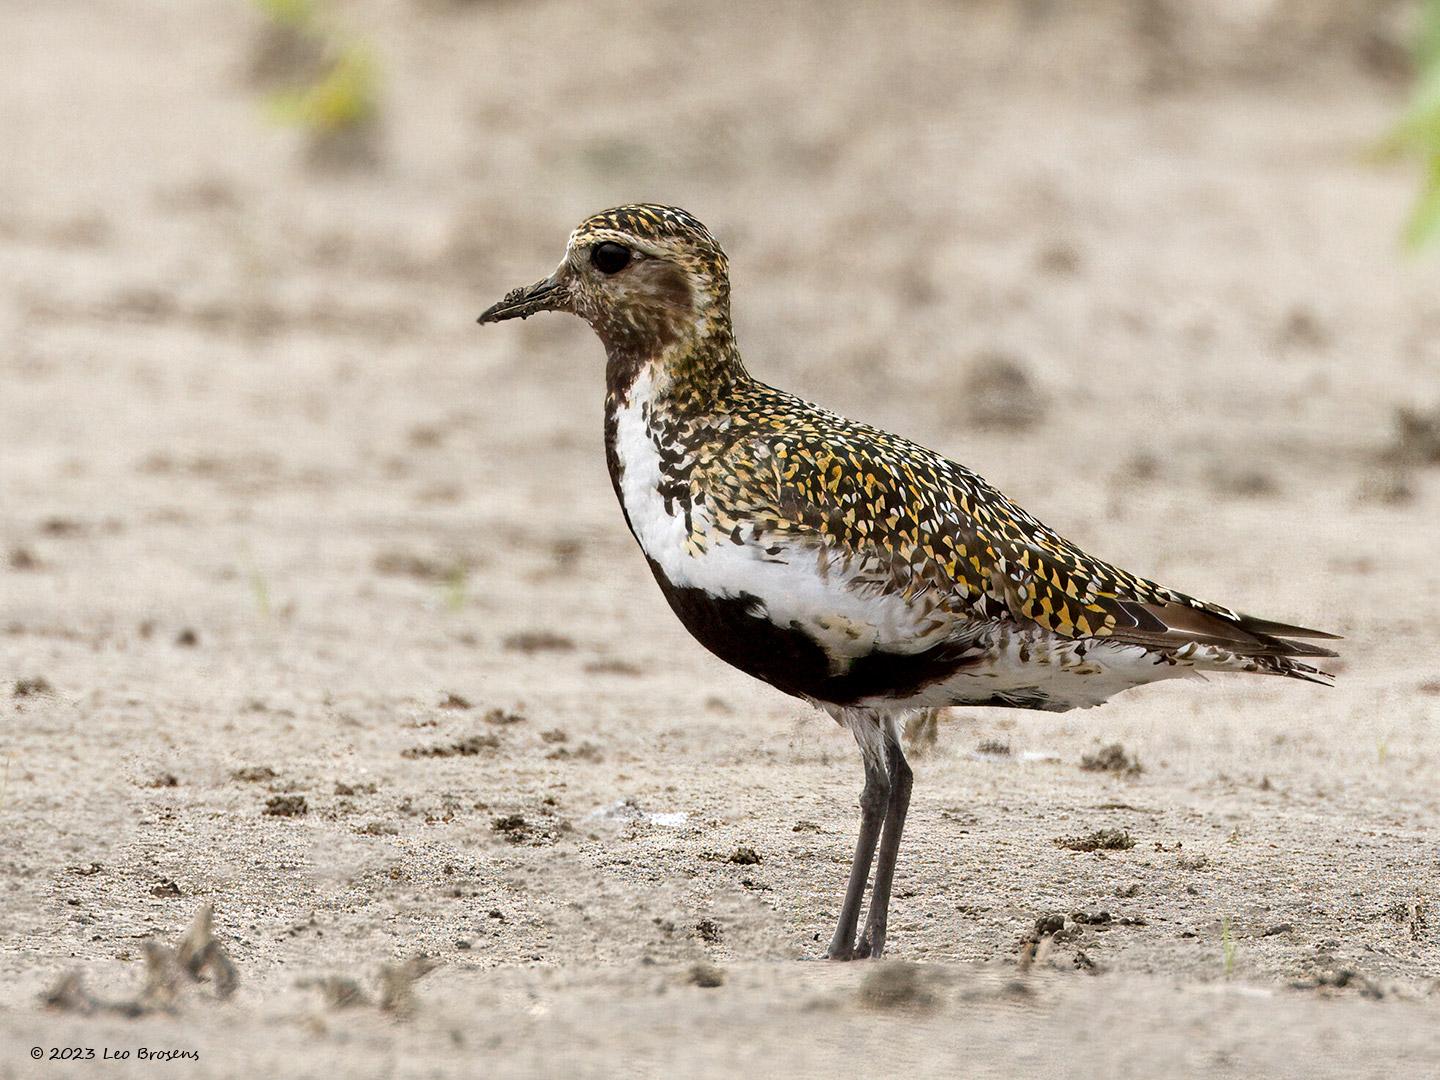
<point x="643" y="276"/>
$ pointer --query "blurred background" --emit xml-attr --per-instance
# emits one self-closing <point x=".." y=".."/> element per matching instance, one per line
<point x="1156" y="268"/>
<point x="1132" y="261"/>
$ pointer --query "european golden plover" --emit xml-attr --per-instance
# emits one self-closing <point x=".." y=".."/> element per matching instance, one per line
<point x="842" y="564"/>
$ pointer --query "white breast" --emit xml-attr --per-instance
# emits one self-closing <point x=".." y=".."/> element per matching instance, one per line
<point x="797" y="585"/>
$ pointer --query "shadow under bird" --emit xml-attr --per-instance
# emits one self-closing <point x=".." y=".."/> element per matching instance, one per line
<point x="842" y="564"/>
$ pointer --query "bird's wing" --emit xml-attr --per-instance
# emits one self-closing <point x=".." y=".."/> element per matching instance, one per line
<point x="926" y="525"/>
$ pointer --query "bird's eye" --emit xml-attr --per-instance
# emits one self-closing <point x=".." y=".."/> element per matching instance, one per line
<point x="609" y="257"/>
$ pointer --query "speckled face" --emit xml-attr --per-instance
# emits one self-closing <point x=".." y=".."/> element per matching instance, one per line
<point x="645" y="276"/>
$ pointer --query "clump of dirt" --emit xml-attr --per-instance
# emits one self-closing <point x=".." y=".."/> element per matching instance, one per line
<point x="898" y="985"/>
<point x="254" y="774"/>
<point x="503" y="717"/>
<point x="1061" y="258"/>
<point x="1243" y="482"/>
<point x="1057" y="927"/>
<point x="745" y="856"/>
<point x="1099" y="840"/>
<point x="400" y="563"/>
<point x="1102" y="918"/>
<point x="1393" y="486"/>
<point x="1037" y="944"/>
<point x="534" y="641"/>
<point x="198" y="958"/>
<point x="397" y="984"/>
<point x="200" y="952"/>
<point x="1302" y="328"/>
<point x="1085" y="964"/>
<point x="1339" y="979"/>
<point x="613" y="667"/>
<point x="345" y="149"/>
<point x="708" y="930"/>
<point x="286" y="806"/>
<point x="466" y="747"/>
<point x="518" y="829"/>
<point x="166" y="889"/>
<point x="1413" y="914"/>
<point x="1050" y="924"/>
<point x="454" y="701"/>
<point x="706" y="975"/>
<point x="1416" y="439"/>
<point x="36" y="686"/>
<point x="586" y="751"/>
<point x="344" y="789"/>
<point x="513" y="827"/>
<point x="1113" y="759"/>
<point x="284" y="54"/>
<point x="59" y="526"/>
<point x="69" y="995"/>
<point x="339" y="991"/>
<point x="23" y="559"/>
<point x="1001" y="395"/>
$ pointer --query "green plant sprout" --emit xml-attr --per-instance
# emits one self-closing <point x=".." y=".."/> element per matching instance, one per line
<point x="345" y="96"/>
<point x="1227" y="945"/>
<point x="297" y="14"/>
<point x="1418" y="132"/>
<point x="335" y="87"/>
<point x="259" y="587"/>
<point x="261" y="591"/>
<point x="455" y="582"/>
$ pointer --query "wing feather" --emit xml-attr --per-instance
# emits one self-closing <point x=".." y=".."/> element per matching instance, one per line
<point x="930" y="527"/>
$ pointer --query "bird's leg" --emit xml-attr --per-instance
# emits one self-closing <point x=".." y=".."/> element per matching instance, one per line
<point x="872" y="942"/>
<point x="873" y="801"/>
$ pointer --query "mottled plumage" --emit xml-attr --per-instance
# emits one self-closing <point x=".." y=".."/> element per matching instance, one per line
<point x="841" y="563"/>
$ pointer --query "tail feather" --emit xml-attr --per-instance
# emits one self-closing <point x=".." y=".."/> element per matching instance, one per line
<point x="1292" y="669"/>
<point x="1271" y="647"/>
<point x="1282" y="630"/>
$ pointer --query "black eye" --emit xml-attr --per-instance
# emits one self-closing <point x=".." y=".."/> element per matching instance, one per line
<point x="609" y="257"/>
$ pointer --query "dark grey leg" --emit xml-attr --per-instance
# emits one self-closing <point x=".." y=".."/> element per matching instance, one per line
<point x="873" y="802"/>
<point x="872" y="943"/>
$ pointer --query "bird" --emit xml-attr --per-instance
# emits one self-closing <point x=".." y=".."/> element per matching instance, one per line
<point x="844" y="565"/>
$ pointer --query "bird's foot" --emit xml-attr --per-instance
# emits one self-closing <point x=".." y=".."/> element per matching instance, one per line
<point x="864" y="949"/>
<point x="871" y="945"/>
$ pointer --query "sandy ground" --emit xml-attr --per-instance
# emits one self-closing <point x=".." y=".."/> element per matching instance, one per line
<point x="315" y="605"/>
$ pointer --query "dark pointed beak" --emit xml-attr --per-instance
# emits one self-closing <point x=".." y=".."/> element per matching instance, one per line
<point x="552" y="294"/>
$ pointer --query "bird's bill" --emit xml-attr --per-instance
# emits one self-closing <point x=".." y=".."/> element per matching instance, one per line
<point x="552" y="294"/>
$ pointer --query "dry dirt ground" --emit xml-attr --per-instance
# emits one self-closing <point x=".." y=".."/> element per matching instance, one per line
<point x="315" y="606"/>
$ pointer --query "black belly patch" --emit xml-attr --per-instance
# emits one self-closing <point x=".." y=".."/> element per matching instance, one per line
<point x="737" y="630"/>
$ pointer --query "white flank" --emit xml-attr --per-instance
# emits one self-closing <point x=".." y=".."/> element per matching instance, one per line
<point x="1052" y="667"/>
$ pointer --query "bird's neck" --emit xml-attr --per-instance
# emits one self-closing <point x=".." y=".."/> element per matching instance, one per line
<point x="692" y="370"/>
